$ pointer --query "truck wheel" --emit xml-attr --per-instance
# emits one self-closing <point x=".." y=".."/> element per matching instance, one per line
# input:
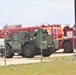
<point x="47" y="53"/>
<point x="28" y="51"/>
<point x="9" y="53"/>
<point x="68" y="47"/>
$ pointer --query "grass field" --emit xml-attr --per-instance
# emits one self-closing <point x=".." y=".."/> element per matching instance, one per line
<point x="57" y="66"/>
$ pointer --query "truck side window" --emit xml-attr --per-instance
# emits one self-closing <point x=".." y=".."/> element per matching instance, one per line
<point x="15" y="36"/>
<point x="22" y="35"/>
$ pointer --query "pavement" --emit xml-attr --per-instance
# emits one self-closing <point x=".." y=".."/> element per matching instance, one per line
<point x="20" y="60"/>
<point x="16" y="60"/>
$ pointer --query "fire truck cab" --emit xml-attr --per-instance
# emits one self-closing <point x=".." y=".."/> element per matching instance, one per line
<point x="69" y="39"/>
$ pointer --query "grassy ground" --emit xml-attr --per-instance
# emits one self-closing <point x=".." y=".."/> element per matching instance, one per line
<point x="58" y="66"/>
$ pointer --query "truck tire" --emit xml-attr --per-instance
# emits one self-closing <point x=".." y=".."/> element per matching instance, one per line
<point x="47" y="53"/>
<point x="9" y="53"/>
<point x="68" y="47"/>
<point x="28" y="51"/>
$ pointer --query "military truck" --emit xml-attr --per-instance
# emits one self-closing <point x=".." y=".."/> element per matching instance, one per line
<point x="29" y="44"/>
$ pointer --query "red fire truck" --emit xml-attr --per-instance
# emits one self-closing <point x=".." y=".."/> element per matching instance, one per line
<point x="64" y="36"/>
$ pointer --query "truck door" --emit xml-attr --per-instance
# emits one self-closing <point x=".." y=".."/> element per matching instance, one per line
<point x="16" y="47"/>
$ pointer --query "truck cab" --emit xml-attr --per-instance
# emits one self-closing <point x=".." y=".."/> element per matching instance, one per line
<point x="16" y="42"/>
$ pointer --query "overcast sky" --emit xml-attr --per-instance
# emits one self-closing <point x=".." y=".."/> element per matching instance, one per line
<point x="36" y="12"/>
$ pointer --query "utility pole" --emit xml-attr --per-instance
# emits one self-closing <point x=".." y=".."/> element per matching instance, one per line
<point x="74" y="30"/>
<point x="41" y="42"/>
<point x="5" y="44"/>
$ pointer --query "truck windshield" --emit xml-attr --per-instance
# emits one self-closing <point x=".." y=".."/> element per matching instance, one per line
<point x="15" y="36"/>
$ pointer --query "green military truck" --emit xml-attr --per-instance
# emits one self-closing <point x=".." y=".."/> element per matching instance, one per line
<point x="29" y="44"/>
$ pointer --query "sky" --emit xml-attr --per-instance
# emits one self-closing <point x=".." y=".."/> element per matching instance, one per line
<point x="36" y="12"/>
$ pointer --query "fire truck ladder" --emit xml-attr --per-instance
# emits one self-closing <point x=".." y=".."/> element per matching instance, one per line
<point x="55" y="36"/>
<point x="55" y="33"/>
<point x="74" y="43"/>
<point x="14" y="26"/>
